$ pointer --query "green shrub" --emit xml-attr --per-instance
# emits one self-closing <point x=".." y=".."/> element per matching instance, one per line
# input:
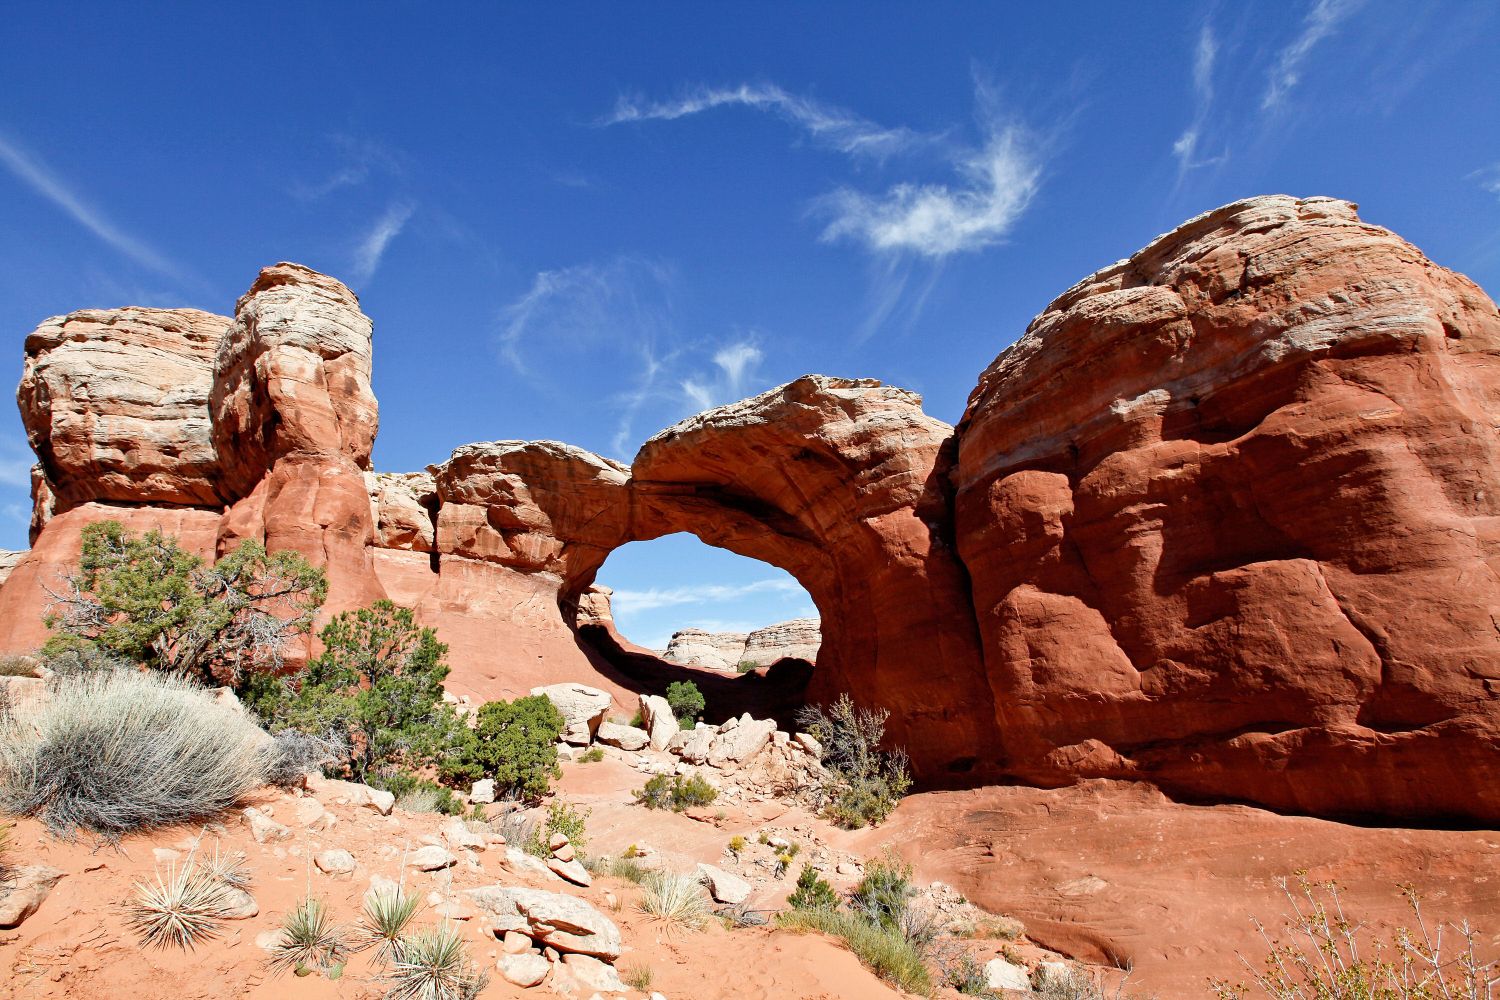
<point x="813" y="892"/>
<point x="746" y="666"/>
<point x="562" y="818"/>
<point x="960" y="970"/>
<point x="883" y="951"/>
<point x="862" y="782"/>
<point x="377" y="689"/>
<point x="884" y="893"/>
<point x="685" y="700"/>
<point x="593" y="756"/>
<point x="736" y="845"/>
<point x="383" y="922"/>
<point x="675" y="793"/>
<point x="121" y="750"/>
<point x="145" y="600"/>
<point x="513" y="742"/>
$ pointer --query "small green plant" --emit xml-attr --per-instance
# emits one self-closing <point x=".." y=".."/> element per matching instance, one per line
<point x="638" y="977"/>
<point x="813" y="892"/>
<point x="593" y="755"/>
<point x="783" y="863"/>
<point x="885" y="951"/>
<point x="631" y="852"/>
<point x="386" y="914"/>
<point x="1332" y="955"/>
<point x="676" y="899"/>
<point x="960" y="970"/>
<point x="737" y="845"/>
<point x="676" y="793"/>
<point x="863" y="783"/>
<point x="685" y="700"/>
<point x="626" y="868"/>
<point x="418" y="795"/>
<point x="763" y="838"/>
<point x="228" y="868"/>
<point x="746" y="666"/>
<point x="310" y="941"/>
<point x="181" y="910"/>
<point x="433" y="964"/>
<point x="512" y="742"/>
<point x="562" y="818"/>
<point x="884" y="893"/>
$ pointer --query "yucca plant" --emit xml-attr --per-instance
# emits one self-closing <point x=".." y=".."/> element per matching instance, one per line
<point x="676" y="899"/>
<point x="387" y="912"/>
<point x="180" y="910"/>
<point x="310" y="941"/>
<point x="432" y="964"/>
<point x="228" y="868"/>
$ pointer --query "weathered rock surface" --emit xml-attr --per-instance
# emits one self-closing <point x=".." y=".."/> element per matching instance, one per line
<point x="740" y="744"/>
<point x="656" y="716"/>
<point x="563" y="922"/>
<point x="698" y="648"/>
<point x="1175" y="536"/>
<point x="624" y="737"/>
<point x="24" y="893"/>
<point x="1196" y="501"/>
<point x="583" y="709"/>
<point x="9" y="561"/>
<point x="798" y="638"/>
<point x="722" y="886"/>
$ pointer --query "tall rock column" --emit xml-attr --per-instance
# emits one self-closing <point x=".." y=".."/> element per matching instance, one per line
<point x="294" y="419"/>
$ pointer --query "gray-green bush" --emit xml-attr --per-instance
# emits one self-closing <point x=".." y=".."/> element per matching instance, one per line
<point x="121" y="750"/>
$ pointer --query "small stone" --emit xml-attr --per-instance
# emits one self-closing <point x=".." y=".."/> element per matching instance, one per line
<point x="460" y="837"/>
<point x="310" y="813"/>
<point x="269" y="940"/>
<point x="594" y="974"/>
<point x="572" y="871"/>
<point x="564" y="853"/>
<point x="515" y="943"/>
<point x="557" y="840"/>
<point x="1000" y="974"/>
<point x="722" y="886"/>
<point x="334" y="862"/>
<point x="431" y="858"/>
<point x="482" y="792"/>
<point x="809" y="743"/>
<point x="524" y="970"/>
<point x="27" y="889"/>
<point x="845" y="868"/>
<point x="262" y="827"/>
<point x="237" y="904"/>
<point x="452" y="911"/>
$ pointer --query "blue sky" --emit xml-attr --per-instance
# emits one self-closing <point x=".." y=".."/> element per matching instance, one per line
<point x="585" y="222"/>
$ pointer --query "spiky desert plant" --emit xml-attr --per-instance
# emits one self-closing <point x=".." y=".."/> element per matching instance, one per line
<point x="386" y="914"/>
<point x="676" y="899"/>
<point x="228" y="868"/>
<point x="432" y="964"/>
<point x="310" y="940"/>
<point x="181" y="909"/>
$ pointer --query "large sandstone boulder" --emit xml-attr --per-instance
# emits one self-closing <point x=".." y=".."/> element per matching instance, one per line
<point x="1229" y="511"/>
<point x="797" y="639"/>
<point x="698" y="648"/>
<point x="657" y="717"/>
<point x="740" y="744"/>
<point x="583" y="709"/>
<point x="564" y="922"/>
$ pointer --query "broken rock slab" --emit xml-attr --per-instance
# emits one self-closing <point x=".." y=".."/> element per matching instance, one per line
<point x="624" y="737"/>
<point x="550" y="918"/>
<point x="583" y="709"/>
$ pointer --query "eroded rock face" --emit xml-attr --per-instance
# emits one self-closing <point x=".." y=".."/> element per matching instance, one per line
<point x="1229" y="509"/>
<point x="115" y="403"/>
<point x="700" y="648"/>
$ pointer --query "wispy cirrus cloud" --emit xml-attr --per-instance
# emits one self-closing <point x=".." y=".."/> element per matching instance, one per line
<point x="994" y="184"/>
<point x="372" y="246"/>
<point x="997" y="183"/>
<point x="360" y="159"/>
<point x="1188" y="145"/>
<point x="38" y="176"/>
<point x="735" y="363"/>
<point x="636" y="601"/>
<point x="1322" y="20"/>
<point x="622" y="314"/>
<point x="1488" y="178"/>
<point x="16" y="461"/>
<point x="833" y="126"/>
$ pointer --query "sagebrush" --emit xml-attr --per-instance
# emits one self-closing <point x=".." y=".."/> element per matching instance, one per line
<point x="121" y="750"/>
<point x="863" y="781"/>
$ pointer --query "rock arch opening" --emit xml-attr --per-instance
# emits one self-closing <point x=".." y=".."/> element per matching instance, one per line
<point x="675" y="608"/>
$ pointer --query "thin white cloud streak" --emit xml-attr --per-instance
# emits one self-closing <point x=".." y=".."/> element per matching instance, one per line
<point x="936" y="220"/>
<point x="840" y="129"/>
<point x="44" y="182"/>
<point x="372" y="247"/>
<point x="1489" y="178"/>
<point x="736" y="363"/>
<point x="15" y="467"/>
<point x="1321" y="22"/>
<point x="1186" y="147"/>
<point x="637" y="601"/>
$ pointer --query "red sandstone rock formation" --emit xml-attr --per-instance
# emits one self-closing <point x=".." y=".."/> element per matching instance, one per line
<point x="1224" y="518"/>
<point x="1229" y="508"/>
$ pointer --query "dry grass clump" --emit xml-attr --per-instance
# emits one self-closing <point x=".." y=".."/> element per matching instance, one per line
<point x="883" y="950"/>
<point x="1327" y="953"/>
<point x="677" y="899"/>
<point x="121" y="750"/>
<point x="432" y="964"/>
<point x="18" y="666"/>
